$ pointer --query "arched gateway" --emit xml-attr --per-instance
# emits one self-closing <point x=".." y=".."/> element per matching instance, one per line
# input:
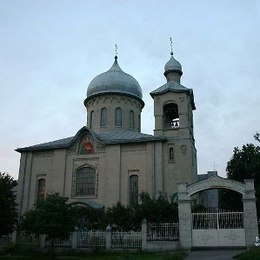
<point x="245" y="235"/>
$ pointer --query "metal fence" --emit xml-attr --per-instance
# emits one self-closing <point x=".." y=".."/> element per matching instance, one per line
<point x="126" y="239"/>
<point x="61" y="242"/>
<point x="162" y="231"/>
<point x="5" y="241"/>
<point x="88" y="239"/>
<point x="218" y="220"/>
<point x="107" y="239"/>
<point x="26" y="239"/>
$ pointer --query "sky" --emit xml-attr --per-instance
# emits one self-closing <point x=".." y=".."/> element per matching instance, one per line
<point x="50" y="50"/>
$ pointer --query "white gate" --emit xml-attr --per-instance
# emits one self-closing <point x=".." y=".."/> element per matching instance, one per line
<point x="218" y="229"/>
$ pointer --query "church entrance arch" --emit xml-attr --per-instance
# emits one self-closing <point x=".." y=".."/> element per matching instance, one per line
<point x="241" y="234"/>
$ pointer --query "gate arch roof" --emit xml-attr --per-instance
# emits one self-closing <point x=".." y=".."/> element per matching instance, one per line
<point x="216" y="182"/>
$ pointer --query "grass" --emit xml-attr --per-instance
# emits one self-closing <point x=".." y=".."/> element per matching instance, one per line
<point x="251" y="254"/>
<point x="31" y="254"/>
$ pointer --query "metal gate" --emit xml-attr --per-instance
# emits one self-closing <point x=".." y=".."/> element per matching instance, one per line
<point x="218" y="229"/>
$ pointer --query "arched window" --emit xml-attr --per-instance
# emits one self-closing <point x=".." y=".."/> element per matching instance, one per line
<point x="171" y="116"/>
<point x="171" y="154"/>
<point x="103" y="117"/>
<point x="118" y="116"/>
<point x="91" y="119"/>
<point x="41" y="188"/>
<point x="85" y="182"/>
<point x="131" y="119"/>
<point x="133" y="190"/>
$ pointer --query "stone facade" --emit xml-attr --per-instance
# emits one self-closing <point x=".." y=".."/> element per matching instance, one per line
<point x="109" y="160"/>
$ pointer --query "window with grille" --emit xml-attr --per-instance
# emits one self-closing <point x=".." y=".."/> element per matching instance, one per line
<point x="41" y="188"/>
<point x="171" y="154"/>
<point x="133" y="190"/>
<point x="85" y="182"/>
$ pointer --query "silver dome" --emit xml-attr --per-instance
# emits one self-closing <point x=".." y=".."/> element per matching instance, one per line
<point x="114" y="81"/>
<point x="172" y="65"/>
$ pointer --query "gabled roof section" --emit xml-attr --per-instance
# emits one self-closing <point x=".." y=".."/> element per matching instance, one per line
<point x="174" y="87"/>
<point x="113" y="137"/>
<point x="57" y="144"/>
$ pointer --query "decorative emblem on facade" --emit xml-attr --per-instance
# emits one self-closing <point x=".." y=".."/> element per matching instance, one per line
<point x="86" y="145"/>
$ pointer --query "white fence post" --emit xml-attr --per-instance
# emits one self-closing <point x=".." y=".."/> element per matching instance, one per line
<point x="14" y="236"/>
<point x="144" y="234"/>
<point x="108" y="237"/>
<point x="42" y="241"/>
<point x="184" y="214"/>
<point x="74" y="239"/>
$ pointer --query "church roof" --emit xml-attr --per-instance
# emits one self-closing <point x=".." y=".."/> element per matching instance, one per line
<point x="174" y="87"/>
<point x="114" y="81"/>
<point x="114" y="137"/>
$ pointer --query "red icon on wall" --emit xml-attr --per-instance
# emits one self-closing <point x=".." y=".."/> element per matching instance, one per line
<point x="88" y="147"/>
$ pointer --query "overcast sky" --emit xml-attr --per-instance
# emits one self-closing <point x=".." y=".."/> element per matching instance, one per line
<point x="51" y="49"/>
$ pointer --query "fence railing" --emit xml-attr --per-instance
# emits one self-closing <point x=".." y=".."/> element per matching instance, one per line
<point x="126" y="239"/>
<point x="107" y="239"/>
<point x="91" y="239"/>
<point x="5" y="241"/>
<point x="27" y="239"/>
<point x="218" y="220"/>
<point x="163" y="232"/>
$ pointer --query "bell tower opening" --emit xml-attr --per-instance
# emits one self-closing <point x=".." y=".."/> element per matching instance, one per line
<point x="171" y="116"/>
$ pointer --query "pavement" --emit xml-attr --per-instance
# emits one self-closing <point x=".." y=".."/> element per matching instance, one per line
<point x="219" y="254"/>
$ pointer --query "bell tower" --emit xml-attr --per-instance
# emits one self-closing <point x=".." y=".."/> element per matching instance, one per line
<point x="173" y="104"/>
<point x="173" y="112"/>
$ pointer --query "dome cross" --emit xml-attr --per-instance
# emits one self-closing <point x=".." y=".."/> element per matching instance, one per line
<point x="116" y="51"/>
<point x="171" y="46"/>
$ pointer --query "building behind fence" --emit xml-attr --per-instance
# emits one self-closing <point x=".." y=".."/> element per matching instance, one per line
<point x="150" y="237"/>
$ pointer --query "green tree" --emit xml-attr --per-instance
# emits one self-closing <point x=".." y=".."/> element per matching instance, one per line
<point x="8" y="214"/>
<point x="52" y="216"/>
<point x="257" y="136"/>
<point x="244" y="164"/>
<point x="121" y="217"/>
<point x="89" y="218"/>
<point x="156" y="209"/>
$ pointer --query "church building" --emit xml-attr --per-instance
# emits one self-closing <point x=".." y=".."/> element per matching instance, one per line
<point x="109" y="160"/>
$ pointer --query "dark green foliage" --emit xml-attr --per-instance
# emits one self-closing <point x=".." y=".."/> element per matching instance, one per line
<point x="8" y="214"/>
<point x="230" y="200"/>
<point x="244" y="164"/>
<point x="89" y="218"/>
<point x="257" y="137"/>
<point x="196" y="208"/>
<point x="250" y="254"/>
<point x="52" y="216"/>
<point x="121" y="217"/>
<point x="125" y="218"/>
<point x="156" y="210"/>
